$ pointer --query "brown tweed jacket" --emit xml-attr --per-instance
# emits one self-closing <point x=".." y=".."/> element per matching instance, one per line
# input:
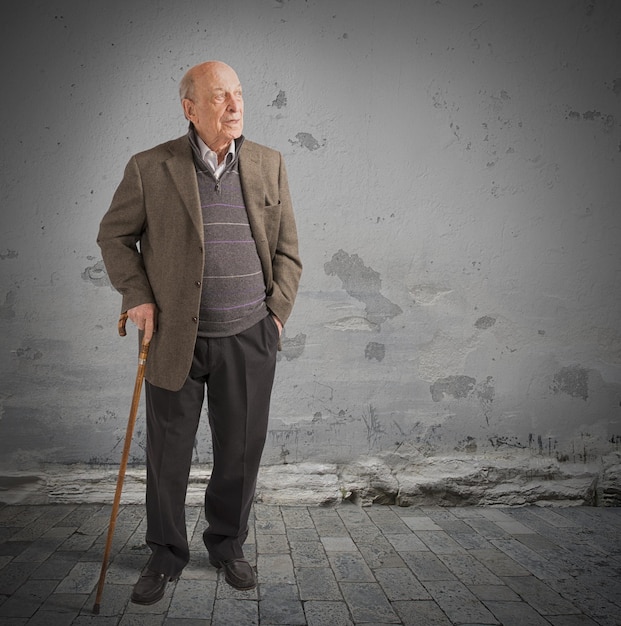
<point x="151" y="240"/>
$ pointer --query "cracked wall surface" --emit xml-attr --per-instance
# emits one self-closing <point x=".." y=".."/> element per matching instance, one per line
<point x="455" y="173"/>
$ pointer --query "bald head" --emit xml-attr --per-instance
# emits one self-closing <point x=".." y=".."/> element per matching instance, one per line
<point x="202" y="71"/>
<point x="211" y="96"/>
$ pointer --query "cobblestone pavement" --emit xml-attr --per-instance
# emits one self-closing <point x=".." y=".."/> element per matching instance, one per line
<point x="379" y="565"/>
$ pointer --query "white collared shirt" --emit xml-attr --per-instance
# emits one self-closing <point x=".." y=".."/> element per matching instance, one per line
<point x="211" y="158"/>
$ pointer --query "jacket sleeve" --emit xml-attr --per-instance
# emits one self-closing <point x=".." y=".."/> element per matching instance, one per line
<point x="286" y="263"/>
<point x="119" y="235"/>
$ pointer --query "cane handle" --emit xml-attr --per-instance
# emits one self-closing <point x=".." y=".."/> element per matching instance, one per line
<point x="121" y="324"/>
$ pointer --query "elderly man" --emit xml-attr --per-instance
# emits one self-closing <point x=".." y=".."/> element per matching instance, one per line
<point x="200" y="240"/>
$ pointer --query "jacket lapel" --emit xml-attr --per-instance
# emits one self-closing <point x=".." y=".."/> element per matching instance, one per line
<point x="181" y="168"/>
<point x="254" y="198"/>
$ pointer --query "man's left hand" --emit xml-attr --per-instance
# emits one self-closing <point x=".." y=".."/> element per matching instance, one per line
<point x="278" y="324"/>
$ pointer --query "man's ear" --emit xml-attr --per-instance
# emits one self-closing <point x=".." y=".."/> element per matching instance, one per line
<point x="188" y="108"/>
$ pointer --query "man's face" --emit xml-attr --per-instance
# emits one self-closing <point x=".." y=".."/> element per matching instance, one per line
<point x="217" y="107"/>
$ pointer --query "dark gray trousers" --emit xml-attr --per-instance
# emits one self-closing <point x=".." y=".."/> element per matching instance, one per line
<point x="238" y="373"/>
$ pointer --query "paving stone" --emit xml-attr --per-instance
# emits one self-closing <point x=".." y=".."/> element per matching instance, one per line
<point x="420" y="613"/>
<point x="13" y="548"/>
<point x="224" y="591"/>
<point x="338" y="544"/>
<point x="115" y="601"/>
<point x="422" y="523"/>
<point x="494" y="593"/>
<point x="46" y="518"/>
<point x="471" y="541"/>
<point x="426" y="566"/>
<point x="26" y="601"/>
<point x="142" y="620"/>
<point x="321" y="613"/>
<point x="592" y="604"/>
<point x="280" y="604"/>
<point x="296" y="517"/>
<point x="388" y="521"/>
<point x="499" y="563"/>
<point x="79" y="514"/>
<point x="538" y="543"/>
<point x="14" y="575"/>
<point x="469" y="570"/>
<point x="328" y="522"/>
<point x="45" y="618"/>
<point x="229" y="612"/>
<point x="9" y="513"/>
<point x="59" y="609"/>
<point x="81" y="579"/>
<point x="607" y="586"/>
<point x="536" y="564"/>
<point x="439" y="542"/>
<point x="516" y="614"/>
<point x="350" y="567"/>
<point x="540" y="596"/>
<point x="408" y="542"/>
<point x="302" y="534"/>
<point x="45" y="545"/>
<point x="270" y="526"/>
<point x="552" y="561"/>
<point x="460" y="605"/>
<point x="487" y="528"/>
<point x="276" y="568"/>
<point x="78" y="542"/>
<point x="317" y="583"/>
<point x="400" y="584"/>
<point x="381" y="553"/>
<point x="192" y="599"/>
<point x="570" y="620"/>
<point x="365" y="533"/>
<point x="272" y="544"/>
<point x="94" y="620"/>
<point x="368" y="603"/>
<point x="308" y="554"/>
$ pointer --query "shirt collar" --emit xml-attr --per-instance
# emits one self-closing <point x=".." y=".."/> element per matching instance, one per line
<point x="209" y="156"/>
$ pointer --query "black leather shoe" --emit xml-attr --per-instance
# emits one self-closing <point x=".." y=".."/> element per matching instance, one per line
<point x="150" y="587"/>
<point x="238" y="573"/>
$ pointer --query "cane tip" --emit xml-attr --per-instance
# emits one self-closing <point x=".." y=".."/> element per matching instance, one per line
<point x="96" y="609"/>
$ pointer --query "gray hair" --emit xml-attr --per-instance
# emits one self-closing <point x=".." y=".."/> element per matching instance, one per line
<point x="186" y="86"/>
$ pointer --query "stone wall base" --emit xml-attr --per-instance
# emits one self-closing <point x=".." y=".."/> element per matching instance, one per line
<point x="401" y="480"/>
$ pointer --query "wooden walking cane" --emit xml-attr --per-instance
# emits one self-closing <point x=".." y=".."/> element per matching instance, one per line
<point x="142" y="360"/>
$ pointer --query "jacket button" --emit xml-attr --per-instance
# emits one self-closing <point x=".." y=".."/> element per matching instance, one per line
<point x="198" y="283"/>
<point x="195" y="319"/>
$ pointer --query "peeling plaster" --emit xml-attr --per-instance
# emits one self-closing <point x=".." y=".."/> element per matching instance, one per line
<point x="97" y="275"/>
<point x="485" y="322"/>
<point x="572" y="380"/>
<point x="9" y="254"/>
<point x="456" y="386"/>
<point x="306" y="140"/>
<point x="428" y="294"/>
<point x="607" y="120"/>
<point x="292" y="348"/>
<point x="364" y="284"/>
<point x="375" y="351"/>
<point x="280" y="101"/>
<point x="353" y="323"/>
<point x="7" y="310"/>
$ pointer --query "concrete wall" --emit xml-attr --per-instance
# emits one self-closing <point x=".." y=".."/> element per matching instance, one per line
<point x="455" y="168"/>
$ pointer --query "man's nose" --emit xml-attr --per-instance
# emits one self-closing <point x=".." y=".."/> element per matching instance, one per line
<point x="234" y="104"/>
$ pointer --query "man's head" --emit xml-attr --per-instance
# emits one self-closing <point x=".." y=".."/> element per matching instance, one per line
<point x="211" y="96"/>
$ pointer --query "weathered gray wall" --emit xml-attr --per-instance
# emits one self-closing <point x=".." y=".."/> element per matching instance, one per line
<point x="456" y="173"/>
